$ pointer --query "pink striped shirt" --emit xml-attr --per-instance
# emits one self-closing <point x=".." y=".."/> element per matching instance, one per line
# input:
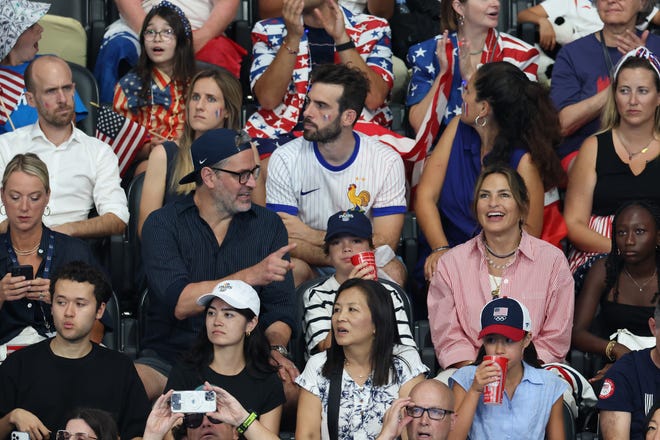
<point x="539" y="278"/>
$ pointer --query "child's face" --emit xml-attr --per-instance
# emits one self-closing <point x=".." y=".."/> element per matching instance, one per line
<point x="341" y="249"/>
<point x="161" y="49"/>
<point x="499" y="345"/>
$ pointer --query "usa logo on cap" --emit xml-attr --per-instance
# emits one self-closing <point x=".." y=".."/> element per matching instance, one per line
<point x="500" y="313"/>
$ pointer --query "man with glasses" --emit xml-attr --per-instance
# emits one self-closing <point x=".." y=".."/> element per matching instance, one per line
<point x="41" y="384"/>
<point x="428" y="413"/>
<point x="212" y="234"/>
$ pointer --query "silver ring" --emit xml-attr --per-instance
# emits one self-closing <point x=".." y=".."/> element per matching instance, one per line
<point x="41" y="296"/>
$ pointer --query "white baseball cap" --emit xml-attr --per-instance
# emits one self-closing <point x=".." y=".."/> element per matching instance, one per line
<point x="236" y="293"/>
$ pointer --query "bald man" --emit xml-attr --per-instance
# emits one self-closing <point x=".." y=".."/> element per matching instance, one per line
<point x="428" y="413"/>
<point x="83" y="170"/>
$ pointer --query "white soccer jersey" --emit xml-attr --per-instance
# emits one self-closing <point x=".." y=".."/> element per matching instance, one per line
<point x="300" y="182"/>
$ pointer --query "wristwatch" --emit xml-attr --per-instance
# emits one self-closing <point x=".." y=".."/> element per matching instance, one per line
<point x="281" y="349"/>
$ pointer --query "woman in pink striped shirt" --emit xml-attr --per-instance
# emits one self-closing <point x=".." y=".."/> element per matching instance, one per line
<point x="503" y="260"/>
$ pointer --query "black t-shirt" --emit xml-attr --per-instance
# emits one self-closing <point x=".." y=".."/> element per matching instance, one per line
<point x="49" y="386"/>
<point x="260" y="394"/>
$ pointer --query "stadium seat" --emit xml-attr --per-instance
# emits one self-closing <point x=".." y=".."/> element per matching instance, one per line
<point x="422" y="335"/>
<point x="92" y="15"/>
<point x="89" y="93"/>
<point x="112" y="339"/>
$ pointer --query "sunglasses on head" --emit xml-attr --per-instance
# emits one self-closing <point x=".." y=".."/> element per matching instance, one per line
<point x="194" y="420"/>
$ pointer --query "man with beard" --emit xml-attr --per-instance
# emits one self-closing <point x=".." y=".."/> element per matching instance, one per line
<point x="210" y="235"/>
<point x="333" y="168"/>
<point x="42" y="383"/>
<point x="311" y="33"/>
<point x="83" y="170"/>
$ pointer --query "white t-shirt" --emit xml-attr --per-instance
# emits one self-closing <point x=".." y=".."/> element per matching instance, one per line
<point x="300" y="182"/>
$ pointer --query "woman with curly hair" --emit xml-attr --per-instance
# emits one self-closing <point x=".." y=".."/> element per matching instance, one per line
<point x="625" y="284"/>
<point x="506" y="118"/>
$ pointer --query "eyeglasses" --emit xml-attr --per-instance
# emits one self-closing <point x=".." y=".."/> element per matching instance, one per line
<point x="193" y="421"/>
<point x="434" y="413"/>
<point x="66" y="435"/>
<point x="243" y="176"/>
<point x="165" y="34"/>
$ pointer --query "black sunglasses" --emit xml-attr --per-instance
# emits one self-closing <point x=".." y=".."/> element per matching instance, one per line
<point x="194" y="420"/>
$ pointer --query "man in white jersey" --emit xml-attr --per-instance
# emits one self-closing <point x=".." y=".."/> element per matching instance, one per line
<point x="332" y="168"/>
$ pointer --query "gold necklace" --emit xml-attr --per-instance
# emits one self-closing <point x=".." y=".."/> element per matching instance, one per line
<point x="644" y="283"/>
<point x="24" y="253"/>
<point x="347" y="364"/>
<point x="631" y="155"/>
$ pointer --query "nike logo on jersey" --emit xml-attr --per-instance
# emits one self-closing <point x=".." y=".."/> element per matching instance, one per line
<point x="304" y="193"/>
<point x="201" y="162"/>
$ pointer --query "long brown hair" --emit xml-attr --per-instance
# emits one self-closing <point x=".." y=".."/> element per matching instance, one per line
<point x="233" y="96"/>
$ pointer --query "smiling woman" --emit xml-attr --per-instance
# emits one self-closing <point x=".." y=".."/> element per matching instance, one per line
<point x="503" y="260"/>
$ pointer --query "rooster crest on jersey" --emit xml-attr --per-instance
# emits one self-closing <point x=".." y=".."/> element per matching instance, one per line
<point x="358" y="200"/>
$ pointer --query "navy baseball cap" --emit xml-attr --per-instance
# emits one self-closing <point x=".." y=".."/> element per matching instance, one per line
<point x="507" y="317"/>
<point x="212" y="147"/>
<point x="353" y="223"/>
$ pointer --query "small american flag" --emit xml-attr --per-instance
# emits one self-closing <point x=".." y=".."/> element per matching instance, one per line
<point x="500" y="312"/>
<point x="11" y="89"/>
<point x="123" y="135"/>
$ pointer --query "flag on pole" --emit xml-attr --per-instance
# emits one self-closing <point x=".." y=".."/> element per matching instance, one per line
<point x="124" y="136"/>
<point x="11" y="89"/>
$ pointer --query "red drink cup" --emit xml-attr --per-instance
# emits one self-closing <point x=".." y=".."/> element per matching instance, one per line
<point x="366" y="257"/>
<point x="493" y="391"/>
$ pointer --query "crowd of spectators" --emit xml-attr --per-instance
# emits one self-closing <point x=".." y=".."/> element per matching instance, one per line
<point x="248" y="224"/>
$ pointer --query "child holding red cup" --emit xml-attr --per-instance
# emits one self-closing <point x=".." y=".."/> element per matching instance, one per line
<point x="349" y="233"/>
<point x="531" y="397"/>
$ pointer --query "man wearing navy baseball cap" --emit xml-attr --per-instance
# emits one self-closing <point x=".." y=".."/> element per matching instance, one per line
<point x="213" y="234"/>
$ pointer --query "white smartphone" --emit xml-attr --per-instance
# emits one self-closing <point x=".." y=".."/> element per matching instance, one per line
<point x="190" y="402"/>
<point x="20" y="435"/>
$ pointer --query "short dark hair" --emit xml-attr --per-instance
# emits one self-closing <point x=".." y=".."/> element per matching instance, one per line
<point x="354" y="82"/>
<point x="326" y="244"/>
<point x="81" y="272"/>
<point x="101" y="422"/>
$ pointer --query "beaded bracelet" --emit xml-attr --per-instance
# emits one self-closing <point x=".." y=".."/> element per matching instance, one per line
<point x="246" y="423"/>
<point x="288" y="49"/>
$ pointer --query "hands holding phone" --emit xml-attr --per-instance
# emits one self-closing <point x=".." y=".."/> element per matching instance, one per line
<point x="19" y="283"/>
